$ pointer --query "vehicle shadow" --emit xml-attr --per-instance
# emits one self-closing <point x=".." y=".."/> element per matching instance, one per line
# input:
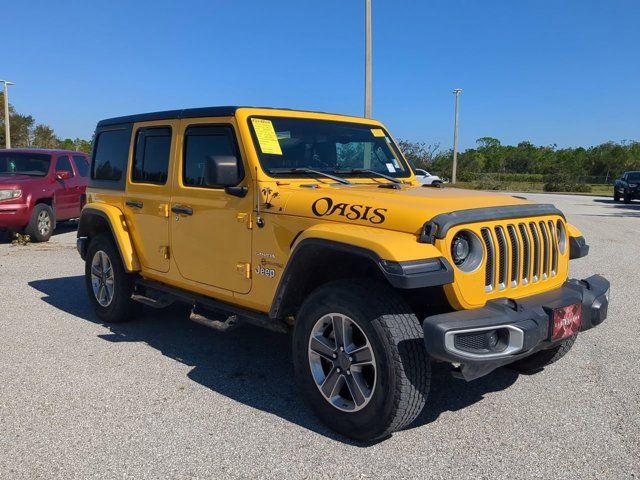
<point x="620" y="209"/>
<point x="242" y="364"/>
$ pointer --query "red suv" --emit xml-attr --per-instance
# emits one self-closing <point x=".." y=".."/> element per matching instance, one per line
<point x="39" y="188"/>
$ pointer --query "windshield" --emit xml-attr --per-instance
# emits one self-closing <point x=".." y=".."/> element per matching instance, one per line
<point x="285" y="145"/>
<point x="633" y="177"/>
<point x="34" y="164"/>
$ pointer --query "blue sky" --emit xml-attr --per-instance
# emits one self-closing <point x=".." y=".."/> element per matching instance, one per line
<point x="548" y="71"/>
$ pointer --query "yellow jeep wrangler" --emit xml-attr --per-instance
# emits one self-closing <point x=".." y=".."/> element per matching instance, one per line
<point x="314" y="223"/>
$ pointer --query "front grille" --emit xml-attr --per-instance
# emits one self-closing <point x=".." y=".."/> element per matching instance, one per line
<point x="489" y="273"/>
<point x="520" y="253"/>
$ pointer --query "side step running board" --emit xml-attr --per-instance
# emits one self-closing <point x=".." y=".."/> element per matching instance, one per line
<point x="161" y="302"/>
<point x="222" y="325"/>
<point x="159" y="292"/>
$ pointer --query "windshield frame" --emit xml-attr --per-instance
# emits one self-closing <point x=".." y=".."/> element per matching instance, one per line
<point x="406" y="175"/>
<point x="35" y="155"/>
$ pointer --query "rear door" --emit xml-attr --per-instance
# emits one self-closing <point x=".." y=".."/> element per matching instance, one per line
<point x="82" y="167"/>
<point x="148" y="192"/>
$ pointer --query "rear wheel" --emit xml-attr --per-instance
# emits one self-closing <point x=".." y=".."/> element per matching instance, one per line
<point x="359" y="359"/>
<point x="541" y="359"/>
<point x="40" y="227"/>
<point x="109" y="286"/>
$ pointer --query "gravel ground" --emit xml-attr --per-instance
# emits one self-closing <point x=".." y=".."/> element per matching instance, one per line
<point x="162" y="397"/>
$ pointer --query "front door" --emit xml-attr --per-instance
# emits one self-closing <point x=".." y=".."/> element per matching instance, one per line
<point x="210" y="235"/>
<point x="67" y="195"/>
<point x="148" y="192"/>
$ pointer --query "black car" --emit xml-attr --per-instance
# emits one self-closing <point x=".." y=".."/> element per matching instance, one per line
<point x="627" y="187"/>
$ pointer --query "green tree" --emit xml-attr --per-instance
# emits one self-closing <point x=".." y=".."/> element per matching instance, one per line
<point x="44" y="137"/>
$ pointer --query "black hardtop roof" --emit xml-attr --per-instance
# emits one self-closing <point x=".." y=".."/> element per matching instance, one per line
<point x="170" y="114"/>
<point x="227" y="111"/>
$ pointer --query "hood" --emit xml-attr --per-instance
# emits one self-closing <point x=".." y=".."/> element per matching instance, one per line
<point x="8" y="180"/>
<point x="405" y="209"/>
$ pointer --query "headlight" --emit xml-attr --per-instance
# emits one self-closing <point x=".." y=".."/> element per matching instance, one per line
<point x="466" y="251"/>
<point x="562" y="237"/>
<point x="10" y="194"/>
<point x="460" y="249"/>
<point x="633" y="185"/>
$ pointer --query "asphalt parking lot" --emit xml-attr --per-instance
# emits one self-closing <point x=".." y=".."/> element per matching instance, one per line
<point x="162" y="397"/>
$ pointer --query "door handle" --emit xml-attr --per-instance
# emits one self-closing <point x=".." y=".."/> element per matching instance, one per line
<point x="182" y="210"/>
<point x="134" y="204"/>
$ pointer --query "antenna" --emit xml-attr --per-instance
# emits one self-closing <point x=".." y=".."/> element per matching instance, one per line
<point x="259" y="219"/>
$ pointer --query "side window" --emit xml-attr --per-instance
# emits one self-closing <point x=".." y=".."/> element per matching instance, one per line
<point x="82" y="165"/>
<point x="110" y="155"/>
<point x="63" y="163"/>
<point x="200" y="144"/>
<point x="151" y="158"/>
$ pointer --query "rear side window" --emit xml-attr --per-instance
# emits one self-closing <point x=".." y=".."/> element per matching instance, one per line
<point x="82" y="165"/>
<point x="64" y="164"/>
<point x="200" y="143"/>
<point x="151" y="159"/>
<point x="110" y="155"/>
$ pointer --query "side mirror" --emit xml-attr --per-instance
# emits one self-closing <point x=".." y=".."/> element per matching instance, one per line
<point x="63" y="175"/>
<point x="221" y="171"/>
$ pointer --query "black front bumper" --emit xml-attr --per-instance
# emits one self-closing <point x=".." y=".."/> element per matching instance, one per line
<point x="528" y="320"/>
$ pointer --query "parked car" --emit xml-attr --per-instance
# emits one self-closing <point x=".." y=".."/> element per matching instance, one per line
<point x="627" y="187"/>
<point x="425" y="178"/>
<point x="39" y="188"/>
<point x="315" y="223"/>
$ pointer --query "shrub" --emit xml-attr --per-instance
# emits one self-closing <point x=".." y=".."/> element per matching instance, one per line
<point x="564" y="183"/>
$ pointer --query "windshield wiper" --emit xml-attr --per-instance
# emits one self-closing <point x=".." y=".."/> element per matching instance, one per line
<point x="344" y="181"/>
<point x="373" y="172"/>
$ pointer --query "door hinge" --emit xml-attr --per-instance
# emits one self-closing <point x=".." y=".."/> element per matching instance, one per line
<point x="163" y="210"/>
<point x="164" y="251"/>
<point x="244" y="269"/>
<point x="244" y="217"/>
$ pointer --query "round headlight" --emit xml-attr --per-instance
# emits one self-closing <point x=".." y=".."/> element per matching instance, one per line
<point x="460" y="249"/>
<point x="562" y="237"/>
<point x="466" y="251"/>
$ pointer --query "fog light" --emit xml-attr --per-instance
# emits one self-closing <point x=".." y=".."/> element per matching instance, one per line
<point x="492" y="339"/>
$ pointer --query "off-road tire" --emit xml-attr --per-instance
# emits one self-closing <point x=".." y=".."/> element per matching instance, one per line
<point x="403" y="370"/>
<point x="541" y="359"/>
<point x="616" y="195"/>
<point x="122" y="308"/>
<point x="32" y="229"/>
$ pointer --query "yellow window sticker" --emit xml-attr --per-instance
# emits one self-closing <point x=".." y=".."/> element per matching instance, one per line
<point x="377" y="132"/>
<point x="267" y="137"/>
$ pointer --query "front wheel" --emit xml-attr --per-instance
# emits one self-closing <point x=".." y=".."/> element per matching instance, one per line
<point x="40" y="227"/>
<point x="109" y="286"/>
<point x="616" y="195"/>
<point x="360" y="360"/>
<point x="627" y="197"/>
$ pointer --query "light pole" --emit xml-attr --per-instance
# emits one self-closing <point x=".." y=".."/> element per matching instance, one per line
<point x="7" y="127"/>
<point x="456" y="92"/>
<point x="367" y="59"/>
